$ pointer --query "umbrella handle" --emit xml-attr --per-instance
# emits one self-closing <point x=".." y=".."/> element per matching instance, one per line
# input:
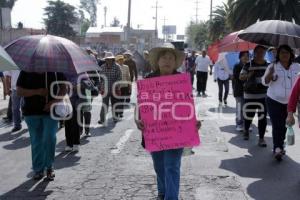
<point x="46" y="78"/>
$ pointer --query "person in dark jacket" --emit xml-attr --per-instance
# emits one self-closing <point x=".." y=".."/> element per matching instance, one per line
<point x="238" y="90"/>
<point x="132" y="69"/>
<point x="255" y="93"/>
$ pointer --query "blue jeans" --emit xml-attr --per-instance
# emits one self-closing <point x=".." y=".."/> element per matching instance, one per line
<point x="16" y="108"/>
<point x="42" y="131"/>
<point x="167" y="167"/>
<point x="239" y="111"/>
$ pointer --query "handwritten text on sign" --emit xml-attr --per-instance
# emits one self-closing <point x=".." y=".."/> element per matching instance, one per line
<point x="167" y="109"/>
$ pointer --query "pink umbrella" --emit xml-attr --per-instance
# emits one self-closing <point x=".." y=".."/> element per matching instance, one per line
<point x="231" y="42"/>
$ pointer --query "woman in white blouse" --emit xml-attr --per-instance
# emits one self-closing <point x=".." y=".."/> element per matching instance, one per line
<point x="280" y="76"/>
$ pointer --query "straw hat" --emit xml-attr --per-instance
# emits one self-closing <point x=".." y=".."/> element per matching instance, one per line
<point x="128" y="53"/>
<point x="154" y="53"/>
<point x="109" y="55"/>
<point x="119" y="57"/>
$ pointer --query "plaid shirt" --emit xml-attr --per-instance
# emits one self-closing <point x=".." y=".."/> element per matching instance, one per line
<point x="112" y="75"/>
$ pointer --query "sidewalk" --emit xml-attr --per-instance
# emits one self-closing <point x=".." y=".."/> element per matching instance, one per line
<point x="3" y="103"/>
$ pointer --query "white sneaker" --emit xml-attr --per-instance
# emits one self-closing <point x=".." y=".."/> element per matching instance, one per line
<point x="239" y="128"/>
<point x="68" y="149"/>
<point x="277" y="150"/>
<point x="250" y="129"/>
<point x="76" y="148"/>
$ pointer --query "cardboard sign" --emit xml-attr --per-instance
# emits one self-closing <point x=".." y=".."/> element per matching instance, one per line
<point x="167" y="108"/>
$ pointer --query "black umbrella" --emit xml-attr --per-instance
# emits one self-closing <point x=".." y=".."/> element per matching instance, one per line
<point x="273" y="33"/>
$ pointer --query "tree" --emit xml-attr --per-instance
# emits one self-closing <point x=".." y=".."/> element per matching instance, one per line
<point x="60" y="17"/>
<point x="20" y="25"/>
<point x="115" y="22"/>
<point x="7" y="3"/>
<point x="247" y="12"/>
<point x="197" y="35"/>
<point x="219" y="25"/>
<point x="90" y="6"/>
<point x="84" y="23"/>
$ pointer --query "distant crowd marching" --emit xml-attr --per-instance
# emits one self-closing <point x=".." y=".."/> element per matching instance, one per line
<point x="55" y="80"/>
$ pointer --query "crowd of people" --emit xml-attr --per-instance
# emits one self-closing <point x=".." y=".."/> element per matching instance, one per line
<point x="259" y="87"/>
<point x="31" y="99"/>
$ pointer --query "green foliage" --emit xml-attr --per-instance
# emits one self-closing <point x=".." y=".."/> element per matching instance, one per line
<point x="219" y="25"/>
<point x="90" y="6"/>
<point x="59" y="18"/>
<point x="7" y="3"/>
<point x="85" y="23"/>
<point x="197" y="35"/>
<point x="20" y="25"/>
<point x="115" y="22"/>
<point x="246" y="12"/>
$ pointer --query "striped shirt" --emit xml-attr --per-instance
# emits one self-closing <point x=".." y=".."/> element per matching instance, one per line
<point x="259" y="90"/>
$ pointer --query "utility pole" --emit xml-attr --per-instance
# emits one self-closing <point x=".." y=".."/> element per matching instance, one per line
<point x="164" y="31"/>
<point x="156" y="14"/>
<point x="105" y="14"/>
<point x="197" y="11"/>
<point x="128" y="21"/>
<point x="211" y="7"/>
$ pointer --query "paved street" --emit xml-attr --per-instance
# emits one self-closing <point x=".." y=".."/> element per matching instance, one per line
<point x="112" y="165"/>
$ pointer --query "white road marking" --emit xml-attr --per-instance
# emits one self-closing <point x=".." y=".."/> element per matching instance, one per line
<point x="121" y="143"/>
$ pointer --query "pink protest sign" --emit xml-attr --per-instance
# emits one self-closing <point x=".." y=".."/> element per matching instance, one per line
<point x="167" y="108"/>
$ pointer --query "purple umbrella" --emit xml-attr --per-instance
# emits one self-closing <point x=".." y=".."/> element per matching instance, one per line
<point x="47" y="53"/>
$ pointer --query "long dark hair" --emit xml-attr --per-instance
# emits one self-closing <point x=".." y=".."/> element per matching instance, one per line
<point x="287" y="48"/>
<point x="242" y="53"/>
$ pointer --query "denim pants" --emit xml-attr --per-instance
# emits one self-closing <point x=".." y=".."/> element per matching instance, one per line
<point x="167" y="167"/>
<point x="251" y="107"/>
<point x="105" y="105"/>
<point x="239" y="111"/>
<point x="42" y="130"/>
<point x="16" y="105"/>
<point x="278" y="114"/>
<point x="224" y="83"/>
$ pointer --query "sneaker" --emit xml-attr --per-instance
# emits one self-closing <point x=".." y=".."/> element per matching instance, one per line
<point x="104" y="124"/>
<point x="246" y="135"/>
<point x="239" y="128"/>
<point x="198" y="95"/>
<point x="225" y="102"/>
<point x="68" y="149"/>
<point x="15" y="129"/>
<point x="220" y="103"/>
<point x="76" y="148"/>
<point x="250" y="129"/>
<point x="278" y="154"/>
<point x="204" y="95"/>
<point x="160" y="197"/>
<point x="38" y="176"/>
<point x="7" y="119"/>
<point x="88" y="134"/>
<point x="50" y="175"/>
<point x="262" y="142"/>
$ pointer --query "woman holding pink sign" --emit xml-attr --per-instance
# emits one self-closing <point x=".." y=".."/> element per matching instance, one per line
<point x="165" y="60"/>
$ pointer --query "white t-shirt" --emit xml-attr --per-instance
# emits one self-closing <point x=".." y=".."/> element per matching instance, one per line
<point x="280" y="89"/>
<point x="202" y="64"/>
<point x="14" y="75"/>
